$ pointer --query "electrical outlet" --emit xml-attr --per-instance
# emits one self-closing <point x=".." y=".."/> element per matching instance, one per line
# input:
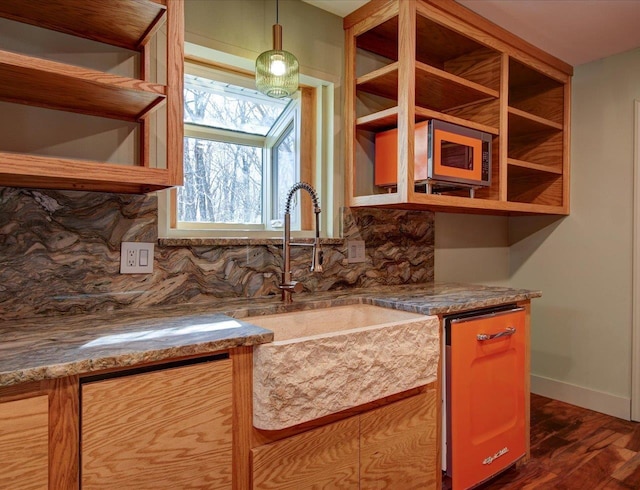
<point x="356" y="251"/>
<point x="136" y="258"/>
<point x="131" y="257"/>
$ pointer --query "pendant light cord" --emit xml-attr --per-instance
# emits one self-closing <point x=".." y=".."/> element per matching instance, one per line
<point x="277" y="17"/>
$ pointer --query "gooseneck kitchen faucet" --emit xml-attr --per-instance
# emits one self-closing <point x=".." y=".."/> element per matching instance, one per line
<point x="288" y="286"/>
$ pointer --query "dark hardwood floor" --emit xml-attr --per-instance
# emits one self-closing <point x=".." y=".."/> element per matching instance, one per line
<point x="575" y="448"/>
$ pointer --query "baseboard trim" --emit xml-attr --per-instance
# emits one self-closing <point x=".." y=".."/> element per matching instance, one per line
<point x="599" y="401"/>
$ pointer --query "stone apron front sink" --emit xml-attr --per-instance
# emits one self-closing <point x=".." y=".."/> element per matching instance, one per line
<point x="327" y="360"/>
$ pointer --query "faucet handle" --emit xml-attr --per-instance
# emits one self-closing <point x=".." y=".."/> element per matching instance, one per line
<point x="292" y="287"/>
<point x="316" y="260"/>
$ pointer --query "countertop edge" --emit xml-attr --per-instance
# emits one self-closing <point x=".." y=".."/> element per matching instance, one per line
<point x="132" y="359"/>
<point x="455" y="307"/>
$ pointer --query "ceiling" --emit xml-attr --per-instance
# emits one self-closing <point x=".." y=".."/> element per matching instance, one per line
<point x="576" y="31"/>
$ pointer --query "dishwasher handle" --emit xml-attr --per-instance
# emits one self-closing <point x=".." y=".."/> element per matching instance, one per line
<point x="505" y="333"/>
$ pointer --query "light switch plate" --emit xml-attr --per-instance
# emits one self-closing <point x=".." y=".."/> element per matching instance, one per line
<point x="136" y="258"/>
<point x="356" y="251"/>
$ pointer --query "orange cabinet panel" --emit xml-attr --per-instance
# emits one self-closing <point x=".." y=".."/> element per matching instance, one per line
<point x="486" y="382"/>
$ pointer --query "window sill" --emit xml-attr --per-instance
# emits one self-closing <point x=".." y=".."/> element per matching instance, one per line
<point x="238" y="241"/>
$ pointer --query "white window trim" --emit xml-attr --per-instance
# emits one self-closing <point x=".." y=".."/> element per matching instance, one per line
<point x="291" y="116"/>
<point x="227" y="135"/>
<point x="324" y="170"/>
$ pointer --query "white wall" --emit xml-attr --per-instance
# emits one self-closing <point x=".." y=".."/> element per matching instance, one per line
<point x="472" y="249"/>
<point x="244" y="28"/>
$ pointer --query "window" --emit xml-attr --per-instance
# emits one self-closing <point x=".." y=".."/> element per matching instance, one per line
<point x="240" y="154"/>
<point x="243" y="151"/>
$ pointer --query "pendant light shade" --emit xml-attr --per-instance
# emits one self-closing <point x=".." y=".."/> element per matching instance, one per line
<point x="277" y="70"/>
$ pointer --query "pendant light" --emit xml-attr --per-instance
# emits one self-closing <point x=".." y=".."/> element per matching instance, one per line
<point x="277" y="70"/>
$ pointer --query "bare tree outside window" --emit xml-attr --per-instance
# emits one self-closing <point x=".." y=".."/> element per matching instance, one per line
<point x="222" y="183"/>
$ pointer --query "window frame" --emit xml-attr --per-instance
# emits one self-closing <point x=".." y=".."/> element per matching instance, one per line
<point x="186" y="225"/>
<point x="290" y="118"/>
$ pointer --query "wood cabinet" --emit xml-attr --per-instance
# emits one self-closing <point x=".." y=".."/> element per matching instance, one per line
<point x="325" y="457"/>
<point x="398" y="446"/>
<point x="188" y="424"/>
<point x="412" y="60"/>
<point x="24" y="443"/>
<point x="392" y="446"/>
<point x="171" y="425"/>
<point x="33" y="80"/>
<point x="169" y="428"/>
<point x="39" y="435"/>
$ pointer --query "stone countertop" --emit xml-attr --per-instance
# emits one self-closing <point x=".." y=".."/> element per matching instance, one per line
<point x="52" y="347"/>
<point x="447" y="298"/>
<point x="45" y="348"/>
<point x="427" y="299"/>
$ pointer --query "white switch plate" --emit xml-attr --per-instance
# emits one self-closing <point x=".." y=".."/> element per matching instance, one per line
<point x="356" y="251"/>
<point x="136" y="258"/>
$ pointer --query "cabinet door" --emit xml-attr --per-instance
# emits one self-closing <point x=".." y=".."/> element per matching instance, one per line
<point x="24" y="443"/>
<point x="398" y="444"/>
<point x="322" y="458"/>
<point x="167" y="429"/>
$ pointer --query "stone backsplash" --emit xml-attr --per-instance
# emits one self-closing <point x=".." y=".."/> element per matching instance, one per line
<point x="60" y="254"/>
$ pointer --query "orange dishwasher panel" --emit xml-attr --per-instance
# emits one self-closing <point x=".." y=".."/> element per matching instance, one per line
<point x="485" y="395"/>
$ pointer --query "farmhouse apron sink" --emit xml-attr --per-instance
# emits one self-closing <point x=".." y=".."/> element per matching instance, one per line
<point x="327" y="360"/>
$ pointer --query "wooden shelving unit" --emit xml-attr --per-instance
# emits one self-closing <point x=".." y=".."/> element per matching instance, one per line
<point x="39" y="82"/>
<point x="536" y="150"/>
<point x="413" y="60"/>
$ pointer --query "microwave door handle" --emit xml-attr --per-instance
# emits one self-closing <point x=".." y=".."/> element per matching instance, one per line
<point x="509" y="331"/>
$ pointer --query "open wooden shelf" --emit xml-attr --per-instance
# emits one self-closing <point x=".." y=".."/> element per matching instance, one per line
<point x="537" y="172"/>
<point x="544" y="148"/>
<point x="445" y="91"/>
<point x="44" y="83"/>
<point x="382" y="82"/>
<point x="521" y="122"/>
<point x="423" y="114"/>
<point x="388" y="119"/>
<point x="468" y="72"/>
<point x="379" y="121"/>
<point x="17" y="170"/>
<point x="381" y="39"/>
<point x="534" y="166"/>
<point x="457" y="204"/>
<point x="532" y="186"/>
<point x="38" y="82"/>
<point x="437" y="46"/>
<point x="535" y="93"/>
<point x="124" y="23"/>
